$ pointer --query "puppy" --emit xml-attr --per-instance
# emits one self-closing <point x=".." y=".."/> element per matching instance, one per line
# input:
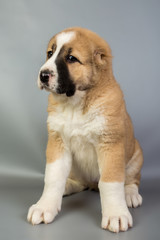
<point x="91" y="143"/>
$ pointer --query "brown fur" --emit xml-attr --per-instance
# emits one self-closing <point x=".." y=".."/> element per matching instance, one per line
<point x="55" y="147"/>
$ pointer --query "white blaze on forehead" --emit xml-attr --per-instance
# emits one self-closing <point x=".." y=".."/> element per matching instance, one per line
<point x="63" y="38"/>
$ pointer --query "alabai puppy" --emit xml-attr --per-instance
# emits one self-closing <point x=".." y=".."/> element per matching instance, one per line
<point x="91" y="141"/>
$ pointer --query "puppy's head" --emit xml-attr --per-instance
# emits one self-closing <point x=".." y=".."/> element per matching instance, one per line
<point x="75" y="59"/>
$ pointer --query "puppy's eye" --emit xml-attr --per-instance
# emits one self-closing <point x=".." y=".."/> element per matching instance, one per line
<point x="49" y="54"/>
<point x="71" y="59"/>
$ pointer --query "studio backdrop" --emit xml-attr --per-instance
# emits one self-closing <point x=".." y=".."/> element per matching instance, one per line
<point x="132" y="30"/>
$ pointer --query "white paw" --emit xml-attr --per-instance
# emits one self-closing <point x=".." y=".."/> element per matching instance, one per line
<point x="42" y="213"/>
<point x="133" y="198"/>
<point x="116" y="222"/>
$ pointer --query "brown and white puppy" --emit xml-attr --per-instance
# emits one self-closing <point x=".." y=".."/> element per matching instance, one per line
<point x="90" y="135"/>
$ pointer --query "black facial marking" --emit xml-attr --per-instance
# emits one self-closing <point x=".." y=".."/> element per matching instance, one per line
<point x="65" y="83"/>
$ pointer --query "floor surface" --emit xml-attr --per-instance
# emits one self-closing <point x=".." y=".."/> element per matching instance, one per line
<point x="80" y="216"/>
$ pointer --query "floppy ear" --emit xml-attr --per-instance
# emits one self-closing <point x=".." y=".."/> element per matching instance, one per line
<point x="100" y="57"/>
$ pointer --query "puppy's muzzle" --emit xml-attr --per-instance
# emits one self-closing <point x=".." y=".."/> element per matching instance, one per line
<point x="45" y="75"/>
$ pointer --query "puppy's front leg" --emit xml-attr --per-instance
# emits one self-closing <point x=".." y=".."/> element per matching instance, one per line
<point x="115" y="214"/>
<point x="57" y="170"/>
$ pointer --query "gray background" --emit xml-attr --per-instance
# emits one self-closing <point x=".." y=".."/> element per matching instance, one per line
<point x="132" y="30"/>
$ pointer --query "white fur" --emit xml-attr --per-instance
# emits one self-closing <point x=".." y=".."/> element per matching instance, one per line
<point x="115" y="214"/>
<point x="50" y="202"/>
<point x="61" y="39"/>
<point x="133" y="198"/>
<point x="80" y="134"/>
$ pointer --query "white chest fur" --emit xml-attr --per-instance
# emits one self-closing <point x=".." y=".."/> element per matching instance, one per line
<point x="70" y="122"/>
<point x="80" y="134"/>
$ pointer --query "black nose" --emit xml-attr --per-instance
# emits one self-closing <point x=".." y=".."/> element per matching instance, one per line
<point x="44" y="76"/>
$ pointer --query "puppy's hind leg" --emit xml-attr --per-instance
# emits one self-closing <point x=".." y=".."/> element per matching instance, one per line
<point x="73" y="186"/>
<point x="133" y="198"/>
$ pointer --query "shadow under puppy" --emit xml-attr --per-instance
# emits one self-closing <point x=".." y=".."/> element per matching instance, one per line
<point x="90" y="135"/>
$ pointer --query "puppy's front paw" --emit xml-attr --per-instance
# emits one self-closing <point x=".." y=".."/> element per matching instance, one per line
<point x="42" y="212"/>
<point x="133" y="198"/>
<point x="117" y="220"/>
